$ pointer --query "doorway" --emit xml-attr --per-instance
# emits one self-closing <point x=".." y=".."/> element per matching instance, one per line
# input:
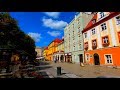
<point x="81" y="58"/>
<point x="96" y="59"/>
<point x="62" y="58"/>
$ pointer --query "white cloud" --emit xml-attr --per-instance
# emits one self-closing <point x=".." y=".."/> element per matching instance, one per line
<point x="53" y="14"/>
<point x="35" y="36"/>
<point x="54" y="24"/>
<point x="54" y="33"/>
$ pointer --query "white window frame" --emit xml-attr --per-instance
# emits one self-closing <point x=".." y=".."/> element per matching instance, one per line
<point x="117" y="22"/>
<point x="103" y="25"/>
<point x="102" y="14"/>
<point x="88" y="57"/>
<point x="93" y="31"/>
<point x="79" y="30"/>
<point x="105" y="40"/>
<point x="109" y="60"/>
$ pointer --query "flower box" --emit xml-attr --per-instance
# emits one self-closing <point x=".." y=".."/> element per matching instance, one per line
<point x="86" y="48"/>
<point x="94" y="47"/>
<point x="105" y="44"/>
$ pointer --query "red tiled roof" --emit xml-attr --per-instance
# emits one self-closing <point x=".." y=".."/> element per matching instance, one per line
<point x="46" y="48"/>
<point x="57" y="40"/>
<point x="91" y="25"/>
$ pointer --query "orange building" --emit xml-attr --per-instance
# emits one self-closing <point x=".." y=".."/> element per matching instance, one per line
<point x="52" y="48"/>
<point x="102" y="39"/>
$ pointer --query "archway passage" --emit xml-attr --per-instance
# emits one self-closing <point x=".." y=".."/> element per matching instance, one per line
<point x="96" y="59"/>
<point x="62" y="58"/>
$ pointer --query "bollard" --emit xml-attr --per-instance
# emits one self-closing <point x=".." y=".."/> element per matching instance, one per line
<point x="58" y="70"/>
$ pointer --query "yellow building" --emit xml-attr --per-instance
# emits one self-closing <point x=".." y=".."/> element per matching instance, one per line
<point x="52" y="49"/>
<point x="45" y="51"/>
<point x="59" y="54"/>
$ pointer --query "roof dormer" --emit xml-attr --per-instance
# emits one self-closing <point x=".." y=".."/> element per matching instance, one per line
<point x="93" y="21"/>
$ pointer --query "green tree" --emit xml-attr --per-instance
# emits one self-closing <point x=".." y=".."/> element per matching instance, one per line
<point x="11" y="36"/>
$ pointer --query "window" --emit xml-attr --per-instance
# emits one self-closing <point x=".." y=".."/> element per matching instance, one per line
<point x="94" y="21"/>
<point x="108" y="58"/>
<point x="94" y="43"/>
<point x="118" y="20"/>
<point x="87" y="57"/>
<point x="103" y="26"/>
<point x="73" y="38"/>
<point x="105" y="41"/>
<point x="78" y="20"/>
<point x="85" y="35"/>
<point x="80" y="46"/>
<point x="86" y="46"/>
<point x="73" y="32"/>
<point x="102" y="14"/>
<point x="78" y="29"/>
<point x="93" y="31"/>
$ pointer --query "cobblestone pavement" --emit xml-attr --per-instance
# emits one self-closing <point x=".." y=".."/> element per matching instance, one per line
<point x="70" y="70"/>
<point x="51" y="71"/>
<point x="48" y="69"/>
<point x="89" y="71"/>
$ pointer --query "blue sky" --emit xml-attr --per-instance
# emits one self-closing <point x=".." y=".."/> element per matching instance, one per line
<point x="43" y="27"/>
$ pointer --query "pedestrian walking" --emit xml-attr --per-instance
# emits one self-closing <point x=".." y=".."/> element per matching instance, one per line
<point x="55" y="60"/>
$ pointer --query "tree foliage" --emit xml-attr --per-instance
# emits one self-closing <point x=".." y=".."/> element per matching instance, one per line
<point x="11" y="36"/>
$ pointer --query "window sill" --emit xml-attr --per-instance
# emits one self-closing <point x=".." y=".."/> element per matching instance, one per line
<point x="86" y="48"/>
<point x="105" y="45"/>
<point x="94" y="47"/>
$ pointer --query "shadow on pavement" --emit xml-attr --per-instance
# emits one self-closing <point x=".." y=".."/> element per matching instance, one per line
<point x="42" y="68"/>
<point x="63" y="73"/>
<point x="44" y="74"/>
<point x="44" y="63"/>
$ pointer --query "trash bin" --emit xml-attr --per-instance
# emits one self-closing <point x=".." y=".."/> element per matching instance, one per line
<point x="58" y="70"/>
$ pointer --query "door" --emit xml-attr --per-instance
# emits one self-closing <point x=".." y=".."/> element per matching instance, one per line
<point x="96" y="59"/>
<point x="81" y="58"/>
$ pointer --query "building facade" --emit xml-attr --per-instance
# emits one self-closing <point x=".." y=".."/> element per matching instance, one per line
<point x="102" y="39"/>
<point x="45" y="51"/>
<point x="39" y="51"/>
<point x="73" y="39"/>
<point x="59" y="54"/>
<point x="52" y="49"/>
